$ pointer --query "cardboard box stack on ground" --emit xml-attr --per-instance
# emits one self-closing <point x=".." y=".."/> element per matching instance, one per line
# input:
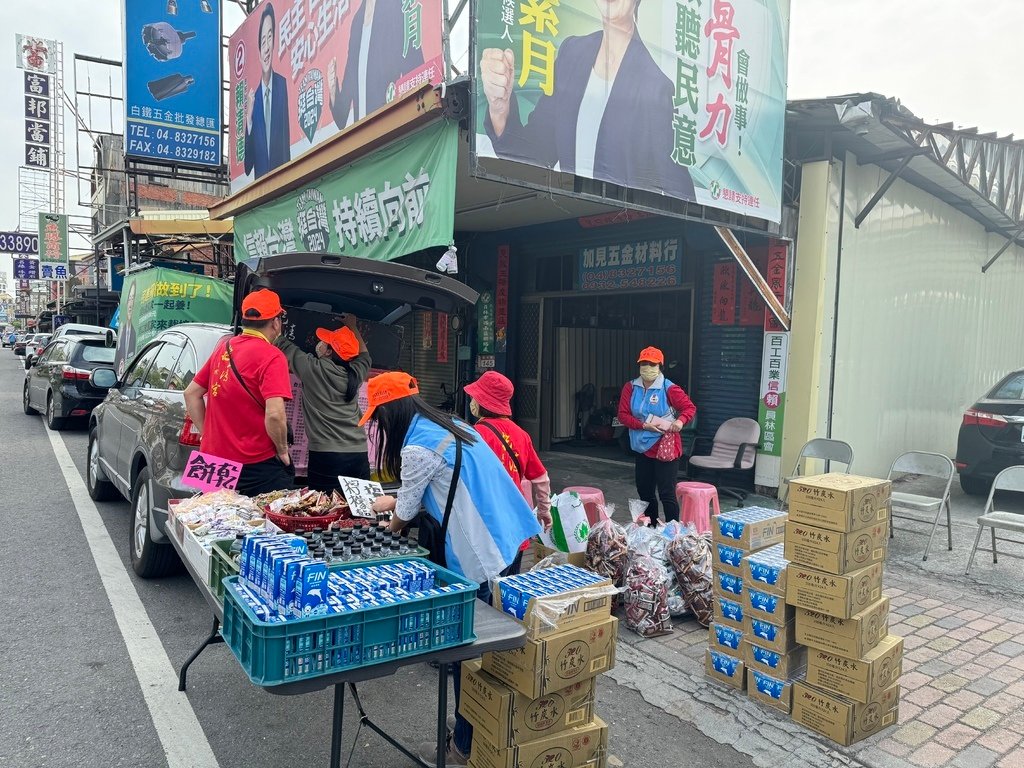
<point x="836" y="542"/>
<point x="535" y="705"/>
<point x="736" y="534"/>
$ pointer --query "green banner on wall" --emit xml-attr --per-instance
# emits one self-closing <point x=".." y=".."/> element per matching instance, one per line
<point x="396" y="201"/>
<point x="157" y="299"/>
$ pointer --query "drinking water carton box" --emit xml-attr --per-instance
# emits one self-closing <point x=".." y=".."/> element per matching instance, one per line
<point x="310" y="597"/>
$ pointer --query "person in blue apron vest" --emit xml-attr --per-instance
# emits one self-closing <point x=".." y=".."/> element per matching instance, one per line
<point x="655" y="410"/>
<point x="489" y="518"/>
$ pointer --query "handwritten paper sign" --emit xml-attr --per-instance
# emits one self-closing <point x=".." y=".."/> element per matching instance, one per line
<point x="360" y="495"/>
<point x="210" y="473"/>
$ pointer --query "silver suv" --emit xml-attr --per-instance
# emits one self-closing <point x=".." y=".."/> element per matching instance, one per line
<point x="140" y="437"/>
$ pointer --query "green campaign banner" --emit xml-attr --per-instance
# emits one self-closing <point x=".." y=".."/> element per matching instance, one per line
<point x="156" y="299"/>
<point x="685" y="98"/>
<point x="396" y="201"/>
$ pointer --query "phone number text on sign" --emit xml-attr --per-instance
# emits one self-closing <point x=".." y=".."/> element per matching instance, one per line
<point x="645" y="264"/>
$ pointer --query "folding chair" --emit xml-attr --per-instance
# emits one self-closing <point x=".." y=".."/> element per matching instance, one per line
<point x="931" y="465"/>
<point x="820" y="448"/>
<point x="1010" y="479"/>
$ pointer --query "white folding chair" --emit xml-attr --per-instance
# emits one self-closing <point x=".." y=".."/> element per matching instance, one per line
<point x="823" y="448"/>
<point x="930" y="465"/>
<point x="1010" y="479"/>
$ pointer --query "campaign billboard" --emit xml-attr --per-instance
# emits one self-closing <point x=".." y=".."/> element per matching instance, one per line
<point x="172" y="81"/>
<point x="676" y="97"/>
<point x="301" y="71"/>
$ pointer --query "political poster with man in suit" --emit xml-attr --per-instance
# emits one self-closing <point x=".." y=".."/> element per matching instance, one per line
<point x="676" y="97"/>
<point x="301" y="72"/>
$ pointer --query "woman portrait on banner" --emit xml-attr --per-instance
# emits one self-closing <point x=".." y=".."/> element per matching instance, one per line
<point x="477" y="513"/>
<point x="606" y="116"/>
<point x="655" y="411"/>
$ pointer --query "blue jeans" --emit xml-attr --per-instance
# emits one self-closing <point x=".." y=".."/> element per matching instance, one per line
<point x="463" y="735"/>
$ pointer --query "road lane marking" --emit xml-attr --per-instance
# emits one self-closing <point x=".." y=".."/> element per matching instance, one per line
<point x="181" y="736"/>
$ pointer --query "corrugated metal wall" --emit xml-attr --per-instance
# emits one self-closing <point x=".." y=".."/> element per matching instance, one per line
<point x="605" y="358"/>
<point x="922" y="333"/>
<point x="422" y="363"/>
<point x="728" y="364"/>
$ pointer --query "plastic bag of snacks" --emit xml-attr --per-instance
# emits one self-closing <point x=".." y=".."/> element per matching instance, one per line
<point x="646" y="541"/>
<point x="646" y="596"/>
<point x="607" y="551"/>
<point x="690" y="558"/>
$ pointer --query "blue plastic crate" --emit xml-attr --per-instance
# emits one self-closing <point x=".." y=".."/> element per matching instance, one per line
<point x="285" y="652"/>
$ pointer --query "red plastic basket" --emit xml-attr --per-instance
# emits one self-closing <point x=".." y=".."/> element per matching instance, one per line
<point x="294" y="524"/>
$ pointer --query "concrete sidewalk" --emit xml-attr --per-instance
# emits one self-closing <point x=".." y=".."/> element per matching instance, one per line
<point x="963" y="673"/>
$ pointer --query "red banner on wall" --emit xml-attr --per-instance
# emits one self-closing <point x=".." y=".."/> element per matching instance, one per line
<point x="501" y="300"/>
<point x="442" y="337"/>
<point x="723" y="294"/>
<point x="778" y="257"/>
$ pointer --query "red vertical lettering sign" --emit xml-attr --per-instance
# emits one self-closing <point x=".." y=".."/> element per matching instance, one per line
<point x="442" y="337"/>
<point x="778" y="256"/>
<point x="723" y="294"/>
<point x="501" y="301"/>
<point x="752" y="306"/>
<point x="427" y="337"/>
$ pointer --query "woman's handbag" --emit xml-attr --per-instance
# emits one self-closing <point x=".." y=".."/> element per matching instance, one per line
<point x="432" y="534"/>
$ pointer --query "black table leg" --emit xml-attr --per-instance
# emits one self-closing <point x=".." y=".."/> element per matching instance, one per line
<point x="339" y="717"/>
<point x="211" y="640"/>
<point x="442" y="715"/>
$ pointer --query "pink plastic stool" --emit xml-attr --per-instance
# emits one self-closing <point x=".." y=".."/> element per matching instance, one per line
<point x="695" y="503"/>
<point x="593" y="502"/>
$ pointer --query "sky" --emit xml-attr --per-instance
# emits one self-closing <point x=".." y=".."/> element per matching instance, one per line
<point x="946" y="60"/>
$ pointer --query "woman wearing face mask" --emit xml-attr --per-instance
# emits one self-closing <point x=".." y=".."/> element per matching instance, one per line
<point x="655" y="411"/>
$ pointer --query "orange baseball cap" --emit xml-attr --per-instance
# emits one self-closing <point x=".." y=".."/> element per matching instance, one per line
<point x="342" y="341"/>
<point x="652" y="355"/>
<point x="263" y="304"/>
<point x="386" y="388"/>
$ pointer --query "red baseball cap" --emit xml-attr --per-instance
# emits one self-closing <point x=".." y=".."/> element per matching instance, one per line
<point x="494" y="392"/>
<point x="386" y="388"/>
<point x="263" y="304"/>
<point x="342" y="341"/>
<point x="651" y="355"/>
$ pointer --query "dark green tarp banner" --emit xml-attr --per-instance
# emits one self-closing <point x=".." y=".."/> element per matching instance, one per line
<point x="396" y="201"/>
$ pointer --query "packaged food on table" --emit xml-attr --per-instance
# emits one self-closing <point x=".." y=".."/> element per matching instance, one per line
<point x="646" y="596"/>
<point x="607" y="551"/>
<point x="690" y="558"/>
<point x="218" y="515"/>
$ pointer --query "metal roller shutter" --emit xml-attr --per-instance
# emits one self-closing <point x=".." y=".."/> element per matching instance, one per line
<point x="422" y="363"/>
<point x="728" y="364"/>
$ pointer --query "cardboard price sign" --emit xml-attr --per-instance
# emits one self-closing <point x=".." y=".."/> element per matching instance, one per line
<point x="360" y="495"/>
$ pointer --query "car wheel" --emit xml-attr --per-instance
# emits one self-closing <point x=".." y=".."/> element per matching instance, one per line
<point x="54" y="422"/>
<point x="26" y="406"/>
<point x="975" y="486"/>
<point x="99" y="488"/>
<point x="149" y="559"/>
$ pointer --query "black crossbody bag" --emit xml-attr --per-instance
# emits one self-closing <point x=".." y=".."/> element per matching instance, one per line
<point x="432" y="534"/>
<point x="238" y="375"/>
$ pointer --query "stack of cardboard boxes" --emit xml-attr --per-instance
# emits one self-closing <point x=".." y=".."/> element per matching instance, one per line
<point x="535" y="705"/>
<point x="739" y="606"/>
<point x="835" y="544"/>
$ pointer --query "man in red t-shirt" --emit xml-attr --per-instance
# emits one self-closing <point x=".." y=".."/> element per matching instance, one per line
<point x="491" y="404"/>
<point x="247" y="379"/>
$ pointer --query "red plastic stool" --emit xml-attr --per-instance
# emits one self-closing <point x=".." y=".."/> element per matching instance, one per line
<point x="593" y="502"/>
<point x="696" y="501"/>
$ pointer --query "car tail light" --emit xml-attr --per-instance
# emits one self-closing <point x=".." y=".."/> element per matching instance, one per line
<point x="70" y="373"/>
<point x="189" y="433"/>
<point x="961" y="465"/>
<point x="984" y="419"/>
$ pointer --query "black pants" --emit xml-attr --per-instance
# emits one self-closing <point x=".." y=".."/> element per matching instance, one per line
<point x="657" y="480"/>
<point x="325" y="466"/>
<point x="265" y="476"/>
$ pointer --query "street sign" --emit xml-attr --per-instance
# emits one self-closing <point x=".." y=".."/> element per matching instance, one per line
<point x="26" y="269"/>
<point x="20" y="243"/>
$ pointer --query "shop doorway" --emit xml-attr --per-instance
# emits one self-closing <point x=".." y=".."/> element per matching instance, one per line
<point x="592" y="341"/>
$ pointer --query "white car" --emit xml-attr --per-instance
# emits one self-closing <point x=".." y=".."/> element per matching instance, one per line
<point x="80" y="329"/>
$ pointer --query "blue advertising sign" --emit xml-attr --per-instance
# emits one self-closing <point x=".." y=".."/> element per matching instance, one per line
<point x="173" y="81"/>
<point x="26" y="269"/>
<point x="21" y="243"/>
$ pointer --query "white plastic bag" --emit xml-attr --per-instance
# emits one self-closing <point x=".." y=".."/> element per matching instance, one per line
<point x="570" y="528"/>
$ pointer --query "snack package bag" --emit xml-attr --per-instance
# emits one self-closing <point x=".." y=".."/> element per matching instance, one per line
<point x="607" y="551"/>
<point x="690" y="558"/>
<point x="646" y="596"/>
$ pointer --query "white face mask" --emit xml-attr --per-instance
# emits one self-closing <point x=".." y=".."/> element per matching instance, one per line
<point x="474" y="408"/>
<point x="649" y="372"/>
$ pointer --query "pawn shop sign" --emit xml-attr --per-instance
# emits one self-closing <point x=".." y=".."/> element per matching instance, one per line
<point x="210" y="473"/>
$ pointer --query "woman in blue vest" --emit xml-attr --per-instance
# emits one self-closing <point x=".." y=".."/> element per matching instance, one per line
<point x="655" y="411"/>
<point x="489" y="518"/>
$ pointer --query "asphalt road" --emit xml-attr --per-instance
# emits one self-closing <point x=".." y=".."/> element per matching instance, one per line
<point x="70" y="694"/>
